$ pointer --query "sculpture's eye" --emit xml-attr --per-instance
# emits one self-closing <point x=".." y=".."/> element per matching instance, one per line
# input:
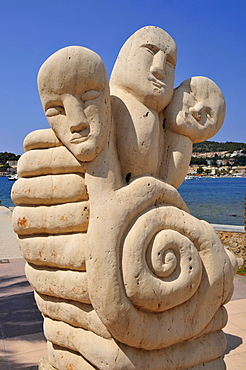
<point x="209" y="112"/>
<point x="54" y="111"/>
<point x="170" y="61"/>
<point x="152" y="49"/>
<point x="90" y="95"/>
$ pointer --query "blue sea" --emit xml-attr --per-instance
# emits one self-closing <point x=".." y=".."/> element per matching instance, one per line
<point x="216" y="200"/>
<point x="5" y="191"/>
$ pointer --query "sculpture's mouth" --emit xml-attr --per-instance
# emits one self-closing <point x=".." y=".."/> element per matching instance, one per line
<point x="78" y="138"/>
<point x="157" y="83"/>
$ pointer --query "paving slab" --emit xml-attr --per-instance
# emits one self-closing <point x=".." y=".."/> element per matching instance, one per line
<point x="229" y="228"/>
<point x="8" y="239"/>
<point x="235" y="330"/>
<point x="22" y="342"/>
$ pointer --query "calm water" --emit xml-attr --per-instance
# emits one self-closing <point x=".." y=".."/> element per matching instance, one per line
<point x="5" y="190"/>
<point x="218" y="201"/>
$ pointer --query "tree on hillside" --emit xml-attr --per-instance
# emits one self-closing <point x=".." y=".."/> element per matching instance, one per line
<point x="199" y="170"/>
<point x="213" y="146"/>
<point x="198" y="161"/>
<point x="240" y="161"/>
<point x="5" y="156"/>
<point x="4" y="168"/>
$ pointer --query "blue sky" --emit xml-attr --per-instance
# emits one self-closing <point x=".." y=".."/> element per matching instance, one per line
<point x="210" y="36"/>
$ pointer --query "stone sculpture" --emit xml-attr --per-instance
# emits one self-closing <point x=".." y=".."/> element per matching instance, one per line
<point x="141" y="86"/>
<point x="195" y="114"/>
<point x="124" y="276"/>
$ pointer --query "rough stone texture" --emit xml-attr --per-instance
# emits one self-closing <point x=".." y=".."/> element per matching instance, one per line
<point x="195" y="113"/>
<point x="125" y="277"/>
<point x="235" y="242"/>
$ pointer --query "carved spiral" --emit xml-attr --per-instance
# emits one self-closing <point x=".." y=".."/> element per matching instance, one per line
<point x="161" y="267"/>
<point x="152" y="265"/>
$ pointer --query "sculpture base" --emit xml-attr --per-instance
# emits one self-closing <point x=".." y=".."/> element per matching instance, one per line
<point x="195" y="354"/>
<point x="77" y="362"/>
<point x="44" y="364"/>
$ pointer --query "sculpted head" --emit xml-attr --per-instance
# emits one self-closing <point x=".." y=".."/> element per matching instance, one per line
<point x="197" y="109"/>
<point x="73" y="88"/>
<point x="145" y="67"/>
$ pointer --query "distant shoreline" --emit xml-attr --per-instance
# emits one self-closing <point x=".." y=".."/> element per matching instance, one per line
<point x="217" y="227"/>
<point x="219" y="201"/>
<point x="216" y="177"/>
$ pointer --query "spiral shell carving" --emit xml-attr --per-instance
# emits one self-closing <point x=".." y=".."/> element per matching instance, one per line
<point x="161" y="267"/>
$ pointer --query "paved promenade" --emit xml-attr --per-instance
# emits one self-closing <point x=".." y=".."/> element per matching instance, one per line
<point x="22" y="342"/>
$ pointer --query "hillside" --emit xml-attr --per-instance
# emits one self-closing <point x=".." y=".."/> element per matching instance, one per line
<point x="203" y="147"/>
<point x="214" y="146"/>
<point x="5" y="156"/>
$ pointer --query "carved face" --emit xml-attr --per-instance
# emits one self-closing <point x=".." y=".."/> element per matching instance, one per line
<point x="74" y="92"/>
<point x="145" y="67"/>
<point x="197" y="109"/>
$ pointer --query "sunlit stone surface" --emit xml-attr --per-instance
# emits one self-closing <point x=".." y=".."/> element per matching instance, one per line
<point x="125" y="277"/>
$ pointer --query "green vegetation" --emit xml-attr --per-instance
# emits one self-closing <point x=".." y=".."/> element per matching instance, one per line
<point x="199" y="170"/>
<point x="214" y="146"/>
<point x="240" y="161"/>
<point x="4" y="167"/>
<point x="4" y="157"/>
<point x="241" y="271"/>
<point x="198" y="161"/>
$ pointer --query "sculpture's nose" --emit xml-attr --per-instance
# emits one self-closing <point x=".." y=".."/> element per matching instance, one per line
<point x="158" y="65"/>
<point x="79" y="123"/>
<point x="77" y="119"/>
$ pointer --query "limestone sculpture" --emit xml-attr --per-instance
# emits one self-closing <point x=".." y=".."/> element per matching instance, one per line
<point x="124" y="276"/>
<point x="195" y="114"/>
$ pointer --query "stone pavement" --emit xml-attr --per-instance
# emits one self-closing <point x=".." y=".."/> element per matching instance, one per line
<point x="8" y="241"/>
<point x="235" y="330"/>
<point x="22" y="342"/>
